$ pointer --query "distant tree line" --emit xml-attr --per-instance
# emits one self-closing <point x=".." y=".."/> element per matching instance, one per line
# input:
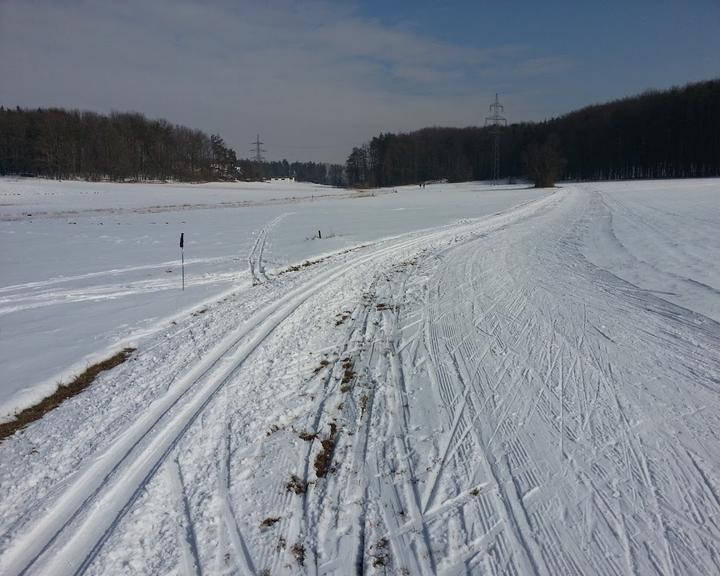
<point x="668" y="134"/>
<point x="315" y="172"/>
<point x="56" y="143"/>
<point x="122" y="146"/>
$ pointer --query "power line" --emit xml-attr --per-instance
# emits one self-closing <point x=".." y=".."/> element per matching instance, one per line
<point x="258" y="150"/>
<point x="496" y="121"/>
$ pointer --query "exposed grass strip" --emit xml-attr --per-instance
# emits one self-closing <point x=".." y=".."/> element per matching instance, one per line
<point x="324" y="457"/>
<point x="269" y="521"/>
<point x="64" y="391"/>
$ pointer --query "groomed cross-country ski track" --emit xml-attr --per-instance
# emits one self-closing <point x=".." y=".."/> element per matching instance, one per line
<point x="477" y="398"/>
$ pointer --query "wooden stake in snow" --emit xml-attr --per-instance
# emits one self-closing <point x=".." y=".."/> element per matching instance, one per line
<point x="182" y="257"/>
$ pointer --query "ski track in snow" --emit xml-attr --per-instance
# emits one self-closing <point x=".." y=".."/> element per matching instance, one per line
<point x="255" y="258"/>
<point x="492" y="400"/>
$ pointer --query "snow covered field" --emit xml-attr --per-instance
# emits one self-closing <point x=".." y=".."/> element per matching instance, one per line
<point x="89" y="268"/>
<point x="511" y="382"/>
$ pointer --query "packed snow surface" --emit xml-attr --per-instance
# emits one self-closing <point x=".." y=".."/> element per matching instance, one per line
<point x="460" y="379"/>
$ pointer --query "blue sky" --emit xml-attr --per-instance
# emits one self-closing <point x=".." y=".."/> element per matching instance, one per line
<point x="603" y="49"/>
<point x="315" y="78"/>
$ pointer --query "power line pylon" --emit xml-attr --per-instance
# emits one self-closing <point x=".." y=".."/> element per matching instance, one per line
<point x="259" y="151"/>
<point x="496" y="121"/>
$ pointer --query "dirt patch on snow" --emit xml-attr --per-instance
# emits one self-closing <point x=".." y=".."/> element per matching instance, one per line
<point x="64" y="391"/>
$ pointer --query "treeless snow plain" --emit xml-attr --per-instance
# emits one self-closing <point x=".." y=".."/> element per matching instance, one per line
<point x="462" y="379"/>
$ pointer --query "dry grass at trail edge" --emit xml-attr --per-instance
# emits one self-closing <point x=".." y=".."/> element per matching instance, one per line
<point x="324" y="457"/>
<point x="296" y="485"/>
<point x="269" y="521"/>
<point x="298" y="550"/>
<point x="64" y="391"/>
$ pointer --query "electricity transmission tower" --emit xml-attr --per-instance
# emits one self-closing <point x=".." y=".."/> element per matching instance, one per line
<point x="259" y="151"/>
<point x="496" y="121"/>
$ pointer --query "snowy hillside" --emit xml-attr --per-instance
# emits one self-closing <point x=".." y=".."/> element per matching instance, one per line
<point x="460" y="379"/>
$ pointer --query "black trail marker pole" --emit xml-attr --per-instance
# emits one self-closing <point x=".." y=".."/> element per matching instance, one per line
<point x="182" y="256"/>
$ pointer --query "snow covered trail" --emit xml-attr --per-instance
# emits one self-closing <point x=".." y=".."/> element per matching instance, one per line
<point x="100" y="271"/>
<point x="584" y="409"/>
<point x="475" y="398"/>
